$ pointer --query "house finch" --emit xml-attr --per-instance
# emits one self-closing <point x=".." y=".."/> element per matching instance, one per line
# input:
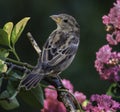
<point x="58" y="51"/>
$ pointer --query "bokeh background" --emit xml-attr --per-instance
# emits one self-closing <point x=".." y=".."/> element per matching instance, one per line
<point x="88" y="13"/>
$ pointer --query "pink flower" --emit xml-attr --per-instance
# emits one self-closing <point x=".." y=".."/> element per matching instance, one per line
<point x="112" y="21"/>
<point x="107" y="63"/>
<point x="49" y="93"/>
<point x="106" y="20"/>
<point x="110" y="38"/>
<point x="80" y="97"/>
<point x="68" y="85"/>
<point x="102" y="103"/>
<point x="53" y="105"/>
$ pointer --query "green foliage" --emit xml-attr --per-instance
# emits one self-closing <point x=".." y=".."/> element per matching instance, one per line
<point x="114" y="91"/>
<point x="3" y="54"/>
<point x="8" y="28"/>
<point x="9" y="35"/>
<point x="6" y="103"/>
<point x="34" y="97"/>
<point x="17" y="30"/>
<point x="4" y="38"/>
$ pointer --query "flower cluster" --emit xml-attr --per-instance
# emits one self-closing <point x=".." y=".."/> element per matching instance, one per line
<point x="112" y="22"/>
<point x="107" y="63"/>
<point x="102" y="103"/>
<point x="51" y="104"/>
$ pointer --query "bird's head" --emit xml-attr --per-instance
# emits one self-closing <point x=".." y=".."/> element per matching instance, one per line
<point x="65" y="22"/>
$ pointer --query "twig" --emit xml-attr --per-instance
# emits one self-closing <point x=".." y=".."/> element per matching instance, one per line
<point x="34" y="43"/>
<point x="19" y="63"/>
<point x="17" y="67"/>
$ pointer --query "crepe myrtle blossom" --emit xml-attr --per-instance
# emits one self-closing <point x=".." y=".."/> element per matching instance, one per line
<point x="102" y="103"/>
<point x="112" y="22"/>
<point x="51" y="104"/>
<point x="107" y="63"/>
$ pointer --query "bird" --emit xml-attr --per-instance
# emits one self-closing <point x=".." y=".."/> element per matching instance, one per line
<point x="58" y="51"/>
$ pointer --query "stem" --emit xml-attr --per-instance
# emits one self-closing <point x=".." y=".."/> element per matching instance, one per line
<point x="12" y="49"/>
<point x="14" y="52"/>
<point x="20" y="63"/>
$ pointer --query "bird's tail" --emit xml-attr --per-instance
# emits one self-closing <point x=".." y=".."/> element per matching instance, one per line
<point x="31" y="80"/>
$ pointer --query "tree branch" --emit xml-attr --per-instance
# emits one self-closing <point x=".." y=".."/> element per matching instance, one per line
<point x="64" y="95"/>
<point x="34" y="43"/>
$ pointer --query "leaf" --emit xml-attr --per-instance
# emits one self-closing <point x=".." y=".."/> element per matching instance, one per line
<point x="114" y="91"/>
<point x="8" y="104"/>
<point x="11" y="88"/>
<point x="3" y="54"/>
<point x="3" y="67"/>
<point x="8" y="28"/>
<point x="4" y="38"/>
<point x="18" y="28"/>
<point x="16" y="76"/>
<point x="33" y="97"/>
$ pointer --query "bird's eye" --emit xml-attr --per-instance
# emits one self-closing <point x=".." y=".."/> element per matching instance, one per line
<point x="65" y="20"/>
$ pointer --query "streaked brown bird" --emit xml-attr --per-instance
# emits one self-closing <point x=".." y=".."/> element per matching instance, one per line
<point x="58" y="51"/>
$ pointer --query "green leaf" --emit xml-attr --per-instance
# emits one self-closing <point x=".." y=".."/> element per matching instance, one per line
<point x="3" y="54"/>
<point x="11" y="88"/>
<point x="6" y="103"/>
<point x="18" y="28"/>
<point x="33" y="97"/>
<point x="4" y="38"/>
<point x="9" y="105"/>
<point x="4" y="95"/>
<point x="3" y="67"/>
<point x="114" y="91"/>
<point x="16" y="76"/>
<point x="8" y="28"/>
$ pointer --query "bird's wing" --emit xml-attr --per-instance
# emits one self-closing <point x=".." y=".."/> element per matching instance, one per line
<point x="59" y="47"/>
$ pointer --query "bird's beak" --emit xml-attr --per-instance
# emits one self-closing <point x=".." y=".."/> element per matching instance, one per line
<point x="56" y="18"/>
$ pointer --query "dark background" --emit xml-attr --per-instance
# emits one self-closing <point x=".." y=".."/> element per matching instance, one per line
<point x="88" y="13"/>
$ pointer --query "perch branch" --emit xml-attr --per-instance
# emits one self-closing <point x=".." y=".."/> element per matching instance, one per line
<point x="64" y="95"/>
<point x="34" y="43"/>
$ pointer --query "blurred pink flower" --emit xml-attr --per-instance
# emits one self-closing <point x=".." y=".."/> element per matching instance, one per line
<point x="50" y="94"/>
<point x="80" y="97"/>
<point x="68" y="85"/>
<point x="51" y="104"/>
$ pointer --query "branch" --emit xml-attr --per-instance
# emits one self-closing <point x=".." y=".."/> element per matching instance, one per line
<point x="34" y="43"/>
<point x="19" y="63"/>
<point x="17" y="67"/>
<point x="64" y="95"/>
